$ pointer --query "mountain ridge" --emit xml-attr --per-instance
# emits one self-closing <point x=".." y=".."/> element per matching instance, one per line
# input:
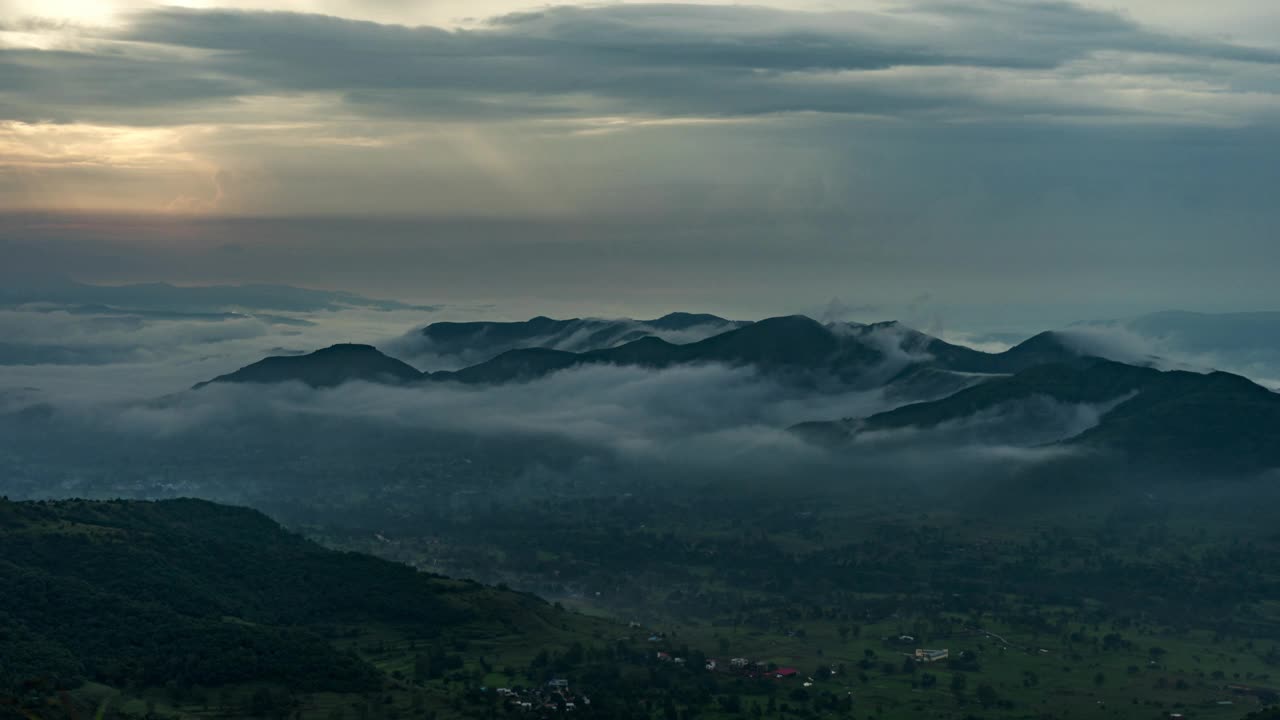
<point x="462" y="344"/>
<point x="1169" y="417"/>
<point x="794" y="344"/>
<point x="793" y="347"/>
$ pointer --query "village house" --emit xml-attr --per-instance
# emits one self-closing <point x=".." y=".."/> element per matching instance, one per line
<point x="554" y="696"/>
<point x="931" y="656"/>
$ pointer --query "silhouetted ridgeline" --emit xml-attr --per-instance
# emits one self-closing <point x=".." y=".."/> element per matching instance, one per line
<point x="793" y="347"/>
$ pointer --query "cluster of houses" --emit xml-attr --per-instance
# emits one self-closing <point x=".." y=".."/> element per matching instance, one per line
<point x="554" y="697"/>
<point x="737" y="666"/>
<point x="667" y="657"/>
<point x="921" y="655"/>
<point x="740" y="666"/>
<point x="752" y="669"/>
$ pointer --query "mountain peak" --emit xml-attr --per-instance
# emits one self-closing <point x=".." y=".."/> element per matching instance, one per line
<point x="349" y="349"/>
<point x="786" y="340"/>
<point x="686" y="320"/>
<point x="1046" y="347"/>
<point x="787" y="325"/>
<point x="328" y="367"/>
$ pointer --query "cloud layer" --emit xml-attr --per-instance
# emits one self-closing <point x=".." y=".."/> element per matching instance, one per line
<point x="931" y="60"/>
<point x="1060" y="159"/>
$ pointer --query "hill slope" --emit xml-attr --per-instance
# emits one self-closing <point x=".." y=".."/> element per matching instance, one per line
<point x="136" y="594"/>
<point x="1216" y="420"/>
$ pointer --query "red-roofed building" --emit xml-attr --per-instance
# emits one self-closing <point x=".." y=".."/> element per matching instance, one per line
<point x="785" y="672"/>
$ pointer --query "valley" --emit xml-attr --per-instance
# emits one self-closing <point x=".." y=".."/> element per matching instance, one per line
<point x="1084" y="538"/>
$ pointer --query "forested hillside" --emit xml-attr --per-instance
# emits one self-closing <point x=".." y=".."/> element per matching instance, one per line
<point x="134" y="594"/>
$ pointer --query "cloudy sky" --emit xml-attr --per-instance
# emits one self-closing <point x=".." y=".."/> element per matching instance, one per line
<point x="997" y="161"/>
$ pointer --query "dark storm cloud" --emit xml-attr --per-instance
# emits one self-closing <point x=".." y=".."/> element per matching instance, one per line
<point x="658" y="59"/>
<point x="317" y="50"/>
<point x="1055" y="32"/>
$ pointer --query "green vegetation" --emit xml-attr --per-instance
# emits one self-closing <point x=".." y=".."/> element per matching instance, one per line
<point x="188" y="604"/>
<point x="1131" y="613"/>
<point x="143" y="594"/>
<point x="190" y="609"/>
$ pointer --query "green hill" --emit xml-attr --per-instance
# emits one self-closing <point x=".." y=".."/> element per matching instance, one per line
<point x="142" y="594"/>
<point x="185" y="609"/>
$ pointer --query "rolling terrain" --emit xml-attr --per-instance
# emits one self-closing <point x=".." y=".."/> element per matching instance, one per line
<point x="1211" y="421"/>
<point x="186" y="596"/>
<point x="794" y="348"/>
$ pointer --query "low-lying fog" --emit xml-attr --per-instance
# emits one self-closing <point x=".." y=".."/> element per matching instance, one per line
<point x="97" y="404"/>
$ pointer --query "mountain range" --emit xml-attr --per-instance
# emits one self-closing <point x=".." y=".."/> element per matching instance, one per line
<point x="459" y="344"/>
<point x="1214" y="419"/>
<point x="791" y="347"/>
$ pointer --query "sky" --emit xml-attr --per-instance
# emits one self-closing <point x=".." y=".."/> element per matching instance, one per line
<point x="984" y="163"/>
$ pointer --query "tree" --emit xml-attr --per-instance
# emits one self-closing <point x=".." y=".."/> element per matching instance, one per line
<point x="421" y="668"/>
<point x="987" y="695"/>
